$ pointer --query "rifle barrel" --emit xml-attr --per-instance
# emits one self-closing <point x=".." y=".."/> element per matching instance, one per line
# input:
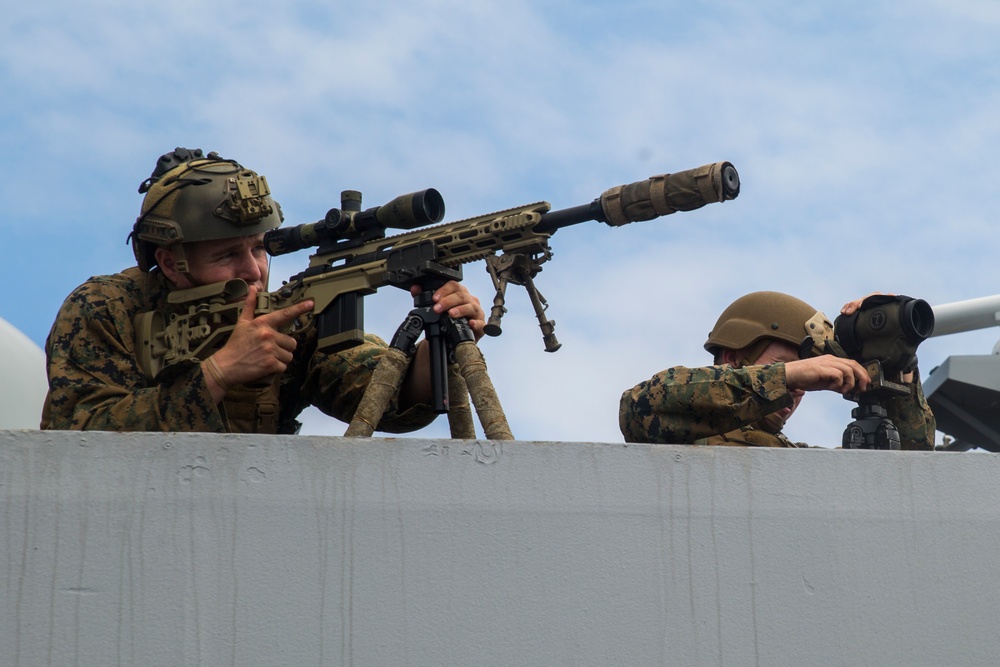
<point x="565" y="217"/>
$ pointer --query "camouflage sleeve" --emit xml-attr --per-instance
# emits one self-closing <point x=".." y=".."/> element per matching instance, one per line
<point x="96" y="384"/>
<point x="335" y="383"/>
<point x="913" y="418"/>
<point x="681" y="405"/>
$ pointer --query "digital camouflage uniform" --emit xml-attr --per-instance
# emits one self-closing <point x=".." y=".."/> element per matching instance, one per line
<point x="95" y="381"/>
<point x="723" y="405"/>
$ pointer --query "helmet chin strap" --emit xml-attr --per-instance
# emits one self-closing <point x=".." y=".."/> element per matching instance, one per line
<point x="179" y="264"/>
<point x="182" y="266"/>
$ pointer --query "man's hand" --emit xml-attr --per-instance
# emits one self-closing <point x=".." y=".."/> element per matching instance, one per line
<point x="826" y="372"/>
<point x="453" y="298"/>
<point x="256" y="348"/>
<point x="852" y="307"/>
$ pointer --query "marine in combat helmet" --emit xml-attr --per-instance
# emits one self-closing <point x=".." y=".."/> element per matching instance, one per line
<point x="202" y="221"/>
<point x="767" y="349"/>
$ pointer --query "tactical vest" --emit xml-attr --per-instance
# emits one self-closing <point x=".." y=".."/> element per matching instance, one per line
<point x="251" y="410"/>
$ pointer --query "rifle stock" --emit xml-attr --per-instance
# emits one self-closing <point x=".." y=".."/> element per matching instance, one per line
<point x="354" y="258"/>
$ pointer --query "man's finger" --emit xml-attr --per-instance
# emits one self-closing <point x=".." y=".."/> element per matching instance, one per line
<point x="250" y="305"/>
<point x="287" y="315"/>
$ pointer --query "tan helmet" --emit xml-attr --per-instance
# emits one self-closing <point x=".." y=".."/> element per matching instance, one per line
<point x="195" y="197"/>
<point x="760" y="317"/>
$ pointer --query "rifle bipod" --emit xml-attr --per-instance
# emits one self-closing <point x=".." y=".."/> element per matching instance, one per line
<point x="446" y="337"/>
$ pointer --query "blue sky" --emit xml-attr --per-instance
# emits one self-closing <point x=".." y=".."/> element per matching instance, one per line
<point x="864" y="134"/>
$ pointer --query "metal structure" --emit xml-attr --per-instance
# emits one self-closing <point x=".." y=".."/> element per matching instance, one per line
<point x="964" y="391"/>
<point x="22" y="391"/>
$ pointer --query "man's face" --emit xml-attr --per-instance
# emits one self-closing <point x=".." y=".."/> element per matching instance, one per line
<point x="209" y="262"/>
<point x="781" y="351"/>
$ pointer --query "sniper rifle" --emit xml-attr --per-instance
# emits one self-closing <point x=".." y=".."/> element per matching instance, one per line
<point x="354" y="258"/>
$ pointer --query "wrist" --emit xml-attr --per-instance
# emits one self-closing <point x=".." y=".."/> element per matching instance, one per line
<point x="212" y="366"/>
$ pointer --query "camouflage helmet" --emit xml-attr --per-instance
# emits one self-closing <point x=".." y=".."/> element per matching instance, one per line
<point x="760" y="317"/>
<point x="195" y="197"/>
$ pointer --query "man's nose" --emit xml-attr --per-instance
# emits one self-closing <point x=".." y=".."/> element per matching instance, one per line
<point x="249" y="269"/>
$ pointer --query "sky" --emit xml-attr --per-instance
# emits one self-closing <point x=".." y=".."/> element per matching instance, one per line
<point x="864" y="136"/>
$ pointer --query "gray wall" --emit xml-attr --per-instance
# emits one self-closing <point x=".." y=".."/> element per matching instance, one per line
<point x="176" y="549"/>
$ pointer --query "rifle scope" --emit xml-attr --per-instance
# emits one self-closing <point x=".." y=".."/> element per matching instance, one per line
<point x="410" y="211"/>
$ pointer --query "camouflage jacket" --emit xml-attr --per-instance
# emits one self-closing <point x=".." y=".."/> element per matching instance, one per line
<point x="722" y="405"/>
<point x="95" y="382"/>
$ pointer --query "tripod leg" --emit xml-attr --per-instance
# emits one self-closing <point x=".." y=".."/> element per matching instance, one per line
<point x="484" y="396"/>
<point x="459" y="409"/>
<point x="385" y="383"/>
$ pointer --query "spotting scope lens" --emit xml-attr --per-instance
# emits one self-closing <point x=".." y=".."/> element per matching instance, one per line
<point x="917" y="320"/>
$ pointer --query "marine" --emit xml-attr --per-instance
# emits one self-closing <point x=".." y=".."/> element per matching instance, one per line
<point x="202" y="220"/>
<point x="767" y="348"/>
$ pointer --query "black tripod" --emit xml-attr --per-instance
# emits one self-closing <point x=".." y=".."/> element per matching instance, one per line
<point x="872" y="428"/>
<point x="457" y="365"/>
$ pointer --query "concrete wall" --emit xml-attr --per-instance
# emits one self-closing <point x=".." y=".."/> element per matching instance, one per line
<point x="176" y="549"/>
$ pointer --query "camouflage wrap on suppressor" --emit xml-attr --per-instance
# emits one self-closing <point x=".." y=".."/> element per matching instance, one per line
<point x="668" y="193"/>
<point x="722" y="405"/>
<point x="95" y="382"/>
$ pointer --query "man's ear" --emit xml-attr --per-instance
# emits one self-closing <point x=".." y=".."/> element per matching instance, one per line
<point x="731" y="357"/>
<point x="168" y="263"/>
